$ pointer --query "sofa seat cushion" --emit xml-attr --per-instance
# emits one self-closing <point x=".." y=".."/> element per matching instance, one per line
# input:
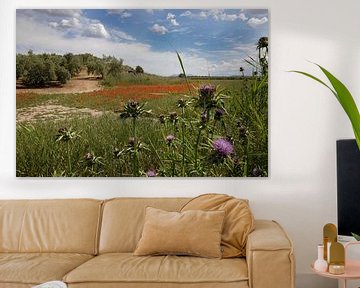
<point x="127" y="268"/>
<point x="36" y="268"/>
<point x="242" y="284"/>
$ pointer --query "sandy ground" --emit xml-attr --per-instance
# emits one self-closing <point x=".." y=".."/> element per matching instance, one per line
<point x="78" y="84"/>
<point x="53" y="112"/>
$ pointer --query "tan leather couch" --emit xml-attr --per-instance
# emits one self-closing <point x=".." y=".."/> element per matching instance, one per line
<point x="89" y="243"/>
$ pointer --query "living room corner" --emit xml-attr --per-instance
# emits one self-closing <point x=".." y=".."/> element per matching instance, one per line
<point x="305" y="121"/>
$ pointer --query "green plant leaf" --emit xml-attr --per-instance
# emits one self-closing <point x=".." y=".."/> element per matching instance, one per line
<point x="316" y="79"/>
<point x="347" y="102"/>
<point x="356" y="236"/>
<point x="344" y="97"/>
<point x="183" y="70"/>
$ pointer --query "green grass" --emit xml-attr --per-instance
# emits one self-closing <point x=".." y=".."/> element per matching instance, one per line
<point x="38" y="154"/>
<point x="141" y="79"/>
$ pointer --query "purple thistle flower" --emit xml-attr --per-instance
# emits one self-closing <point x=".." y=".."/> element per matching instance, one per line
<point x="151" y="173"/>
<point x="223" y="147"/>
<point x="88" y="156"/>
<point x="256" y="172"/>
<point x="218" y="114"/>
<point x="207" y="90"/>
<point x="169" y="139"/>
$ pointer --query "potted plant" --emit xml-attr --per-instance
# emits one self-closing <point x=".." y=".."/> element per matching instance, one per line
<point x="346" y="100"/>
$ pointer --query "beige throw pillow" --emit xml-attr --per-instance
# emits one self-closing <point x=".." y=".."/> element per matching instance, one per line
<point x="239" y="221"/>
<point x="194" y="232"/>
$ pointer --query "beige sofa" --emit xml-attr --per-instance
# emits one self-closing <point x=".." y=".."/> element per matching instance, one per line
<point x="89" y="243"/>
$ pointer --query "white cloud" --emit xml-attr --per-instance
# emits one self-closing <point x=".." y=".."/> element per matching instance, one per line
<point x="53" y="24"/>
<point x="156" y="28"/>
<point x="120" y="35"/>
<point x="42" y="38"/>
<point x="186" y="14"/>
<point x="255" y="22"/>
<point x="216" y="14"/>
<point x="96" y="30"/>
<point x="123" y="13"/>
<point x="116" y="11"/>
<point x="249" y="49"/>
<point x="172" y="18"/>
<point x="174" y="22"/>
<point x="243" y="17"/>
<point x="69" y="23"/>
<point x="126" y="15"/>
<point x="81" y="26"/>
<point x="202" y="15"/>
<point x="199" y="43"/>
<point x="60" y="12"/>
<point x="183" y="30"/>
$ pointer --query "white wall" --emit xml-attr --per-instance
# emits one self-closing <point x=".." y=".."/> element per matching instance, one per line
<point x="305" y="120"/>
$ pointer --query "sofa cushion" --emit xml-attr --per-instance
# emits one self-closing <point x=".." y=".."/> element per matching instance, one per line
<point x="123" y="220"/>
<point x="36" y="268"/>
<point x="126" y="268"/>
<point x="63" y="226"/>
<point x="237" y="284"/>
<point x="239" y="220"/>
<point x="15" y="285"/>
<point x="193" y="232"/>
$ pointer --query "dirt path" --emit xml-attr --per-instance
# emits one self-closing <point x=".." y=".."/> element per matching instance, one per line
<point x="78" y="84"/>
<point x="53" y="112"/>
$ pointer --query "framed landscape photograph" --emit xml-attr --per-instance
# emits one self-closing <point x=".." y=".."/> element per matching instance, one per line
<point x="142" y="92"/>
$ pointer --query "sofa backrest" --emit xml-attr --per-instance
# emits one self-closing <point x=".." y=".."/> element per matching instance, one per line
<point x="123" y="220"/>
<point x="67" y="226"/>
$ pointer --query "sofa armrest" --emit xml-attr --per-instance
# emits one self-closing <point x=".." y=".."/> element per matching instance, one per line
<point x="269" y="256"/>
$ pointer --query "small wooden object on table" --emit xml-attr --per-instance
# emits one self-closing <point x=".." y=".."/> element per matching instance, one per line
<point x="352" y="268"/>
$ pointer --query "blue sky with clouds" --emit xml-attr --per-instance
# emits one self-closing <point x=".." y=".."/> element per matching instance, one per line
<point x="211" y="42"/>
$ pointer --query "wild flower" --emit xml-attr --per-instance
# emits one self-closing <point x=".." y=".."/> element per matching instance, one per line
<point x="206" y="91"/>
<point x="209" y="97"/>
<point x="162" y="118"/>
<point x="169" y="139"/>
<point x="173" y="117"/>
<point x="62" y="130"/>
<point x="219" y="113"/>
<point x="90" y="159"/>
<point x="203" y="118"/>
<point x="223" y="147"/>
<point x="181" y="103"/>
<point x="151" y="173"/>
<point x="88" y="156"/>
<point x="65" y="134"/>
<point x="131" y="142"/>
<point x="117" y="152"/>
<point x="243" y="131"/>
<point x="133" y="109"/>
<point x="256" y="172"/>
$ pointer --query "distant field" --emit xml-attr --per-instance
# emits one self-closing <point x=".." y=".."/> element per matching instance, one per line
<point x="159" y="94"/>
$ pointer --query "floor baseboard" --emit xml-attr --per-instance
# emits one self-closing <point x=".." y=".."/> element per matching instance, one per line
<point x="309" y="280"/>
